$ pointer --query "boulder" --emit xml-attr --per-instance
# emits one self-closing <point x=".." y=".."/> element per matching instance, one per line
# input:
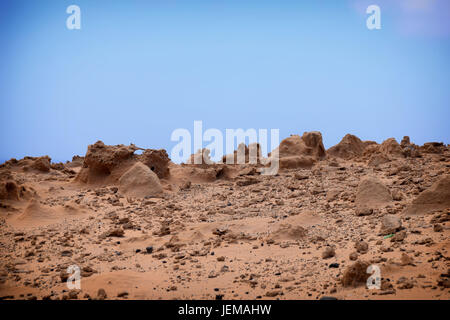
<point x="299" y="152"/>
<point x="390" y="224"/>
<point x="372" y="194"/>
<point x="103" y="158"/>
<point x="139" y="181"/>
<point x="41" y="164"/>
<point x="310" y="144"/>
<point x="391" y="148"/>
<point x="355" y="274"/>
<point x="104" y="164"/>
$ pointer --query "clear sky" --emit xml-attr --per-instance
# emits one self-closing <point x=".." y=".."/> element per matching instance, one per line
<point x="137" y="70"/>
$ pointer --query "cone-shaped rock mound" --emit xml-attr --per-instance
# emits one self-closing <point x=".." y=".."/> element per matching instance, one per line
<point x="139" y="181"/>
<point x="349" y="147"/>
<point x="437" y="197"/>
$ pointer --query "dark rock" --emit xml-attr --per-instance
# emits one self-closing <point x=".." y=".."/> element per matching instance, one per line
<point x="334" y="265"/>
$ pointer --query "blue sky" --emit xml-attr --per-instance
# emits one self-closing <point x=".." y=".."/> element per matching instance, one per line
<point x="137" y="70"/>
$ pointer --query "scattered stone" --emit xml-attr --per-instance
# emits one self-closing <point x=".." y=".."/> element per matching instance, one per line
<point x="272" y="293"/>
<point x="353" y="256"/>
<point x="334" y="265"/>
<point x="399" y="236"/>
<point x="117" y="232"/>
<point x="405" y="283"/>
<point x="356" y="274"/>
<point x="390" y="224"/>
<point x="361" y="247"/>
<point x="73" y="294"/>
<point x="101" y="294"/>
<point x="328" y="252"/>
<point x="406" y="260"/>
<point x="363" y="211"/>
<point x="444" y="283"/>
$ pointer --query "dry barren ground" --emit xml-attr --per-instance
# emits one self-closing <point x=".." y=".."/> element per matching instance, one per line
<point x="141" y="227"/>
